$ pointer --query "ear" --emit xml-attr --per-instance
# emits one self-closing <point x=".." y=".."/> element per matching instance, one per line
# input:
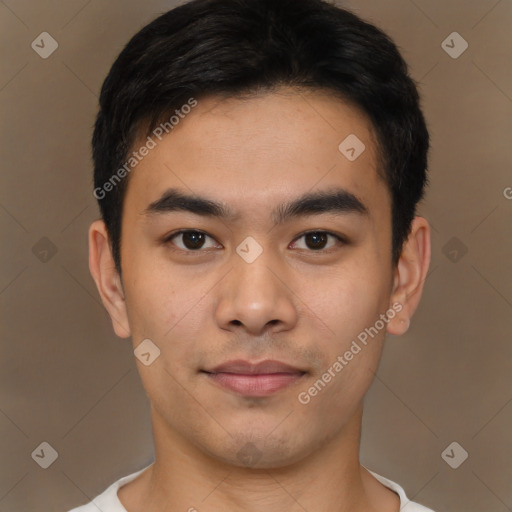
<point x="108" y="282"/>
<point x="410" y="275"/>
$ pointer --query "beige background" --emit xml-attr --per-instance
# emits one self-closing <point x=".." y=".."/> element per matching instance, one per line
<point x="68" y="381"/>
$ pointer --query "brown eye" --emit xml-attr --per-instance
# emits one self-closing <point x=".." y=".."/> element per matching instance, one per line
<point x="190" y="240"/>
<point x="318" y="240"/>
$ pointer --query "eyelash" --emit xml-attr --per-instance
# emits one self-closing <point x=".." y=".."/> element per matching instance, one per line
<point x="341" y="239"/>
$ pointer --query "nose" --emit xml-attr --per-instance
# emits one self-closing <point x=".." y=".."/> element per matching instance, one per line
<point x="256" y="297"/>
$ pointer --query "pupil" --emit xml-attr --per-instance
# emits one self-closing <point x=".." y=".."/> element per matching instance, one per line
<point x="318" y="239"/>
<point x="193" y="240"/>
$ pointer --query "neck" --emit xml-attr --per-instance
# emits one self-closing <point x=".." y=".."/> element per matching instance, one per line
<point x="184" y="478"/>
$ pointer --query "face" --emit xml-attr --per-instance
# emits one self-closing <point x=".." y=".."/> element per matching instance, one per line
<point x="295" y="289"/>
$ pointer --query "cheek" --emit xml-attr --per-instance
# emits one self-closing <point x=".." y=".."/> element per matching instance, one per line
<point x="171" y="311"/>
<point x="155" y="302"/>
<point x="150" y="304"/>
<point x="348" y="301"/>
<point x="168" y="314"/>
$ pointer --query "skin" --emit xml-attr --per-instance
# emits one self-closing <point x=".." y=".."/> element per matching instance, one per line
<point x="293" y="303"/>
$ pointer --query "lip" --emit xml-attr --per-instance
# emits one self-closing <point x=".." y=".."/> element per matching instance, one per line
<point x="254" y="379"/>
<point x="241" y="366"/>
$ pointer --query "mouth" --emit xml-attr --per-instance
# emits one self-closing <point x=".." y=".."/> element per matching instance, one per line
<point x="254" y="379"/>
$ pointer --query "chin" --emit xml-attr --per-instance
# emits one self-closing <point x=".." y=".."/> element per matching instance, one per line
<point x="255" y="450"/>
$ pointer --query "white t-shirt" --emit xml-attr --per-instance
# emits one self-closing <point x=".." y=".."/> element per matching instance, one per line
<point x="108" y="501"/>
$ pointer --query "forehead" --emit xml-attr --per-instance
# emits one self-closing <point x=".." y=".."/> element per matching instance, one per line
<point x="260" y="148"/>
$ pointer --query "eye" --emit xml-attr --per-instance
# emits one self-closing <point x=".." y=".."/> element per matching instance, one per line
<point x="317" y="240"/>
<point x="191" y="240"/>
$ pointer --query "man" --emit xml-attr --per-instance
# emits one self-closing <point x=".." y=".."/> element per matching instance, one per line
<point x="258" y="164"/>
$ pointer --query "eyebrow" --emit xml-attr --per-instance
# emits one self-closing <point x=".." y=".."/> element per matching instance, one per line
<point x="336" y="201"/>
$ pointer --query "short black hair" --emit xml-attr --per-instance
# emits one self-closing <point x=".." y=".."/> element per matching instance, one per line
<point x="232" y="48"/>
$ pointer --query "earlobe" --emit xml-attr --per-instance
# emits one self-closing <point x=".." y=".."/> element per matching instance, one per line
<point x="107" y="279"/>
<point x="410" y="275"/>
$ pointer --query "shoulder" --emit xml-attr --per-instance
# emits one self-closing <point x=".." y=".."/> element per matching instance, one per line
<point x="108" y="500"/>
<point x="90" y="507"/>
<point x="406" y="505"/>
